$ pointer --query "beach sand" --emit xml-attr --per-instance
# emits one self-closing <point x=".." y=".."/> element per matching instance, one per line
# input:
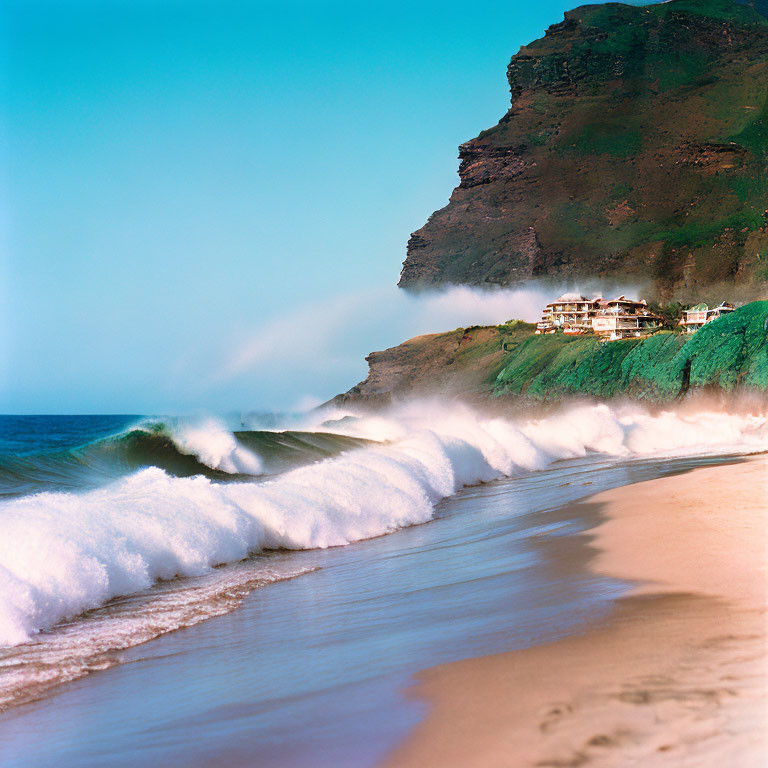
<point x="676" y="676"/>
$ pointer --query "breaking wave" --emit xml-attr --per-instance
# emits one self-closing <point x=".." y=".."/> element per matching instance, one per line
<point x="63" y="553"/>
<point x="180" y="449"/>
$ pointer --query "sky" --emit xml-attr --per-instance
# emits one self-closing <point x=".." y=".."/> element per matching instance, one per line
<point x="205" y="205"/>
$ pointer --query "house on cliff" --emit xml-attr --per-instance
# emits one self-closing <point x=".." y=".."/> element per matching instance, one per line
<point x="698" y="316"/>
<point x="610" y="319"/>
<point x="571" y="313"/>
<point x="624" y="318"/>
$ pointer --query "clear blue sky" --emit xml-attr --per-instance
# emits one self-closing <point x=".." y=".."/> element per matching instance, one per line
<point x="179" y="176"/>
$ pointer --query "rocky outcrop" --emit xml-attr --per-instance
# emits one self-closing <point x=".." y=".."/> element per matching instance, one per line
<point x="463" y="361"/>
<point x="636" y="145"/>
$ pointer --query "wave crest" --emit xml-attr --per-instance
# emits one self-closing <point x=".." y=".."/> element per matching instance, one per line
<point x="216" y="447"/>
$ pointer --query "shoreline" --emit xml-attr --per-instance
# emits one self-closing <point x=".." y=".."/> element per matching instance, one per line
<point x="676" y="676"/>
<point x="500" y="566"/>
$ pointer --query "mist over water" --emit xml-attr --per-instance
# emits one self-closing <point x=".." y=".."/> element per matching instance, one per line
<point x="293" y="358"/>
<point x="317" y="349"/>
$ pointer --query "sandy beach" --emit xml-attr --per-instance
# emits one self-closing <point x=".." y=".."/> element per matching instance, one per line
<point x="676" y="676"/>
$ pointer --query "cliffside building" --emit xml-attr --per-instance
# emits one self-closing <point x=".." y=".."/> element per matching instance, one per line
<point x="610" y="319"/>
<point x="698" y="316"/>
<point x="571" y="313"/>
<point x="623" y="318"/>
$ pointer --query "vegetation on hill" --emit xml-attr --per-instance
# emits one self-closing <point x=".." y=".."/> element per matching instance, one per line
<point x="728" y="355"/>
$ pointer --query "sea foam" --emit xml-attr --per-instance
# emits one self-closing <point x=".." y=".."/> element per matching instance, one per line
<point x="65" y="553"/>
<point x="216" y="447"/>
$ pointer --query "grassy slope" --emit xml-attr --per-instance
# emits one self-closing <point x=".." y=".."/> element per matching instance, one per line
<point x="727" y="354"/>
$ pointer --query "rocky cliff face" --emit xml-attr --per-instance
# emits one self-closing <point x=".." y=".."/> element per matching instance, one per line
<point x="460" y="362"/>
<point x="636" y="145"/>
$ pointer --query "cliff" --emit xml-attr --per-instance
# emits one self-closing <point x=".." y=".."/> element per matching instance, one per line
<point x="461" y="362"/>
<point x="509" y="362"/>
<point x="636" y="145"/>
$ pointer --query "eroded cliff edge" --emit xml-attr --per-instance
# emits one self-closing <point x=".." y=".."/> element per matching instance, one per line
<point x="636" y="145"/>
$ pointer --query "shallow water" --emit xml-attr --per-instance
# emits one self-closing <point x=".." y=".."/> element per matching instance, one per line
<point x="311" y="671"/>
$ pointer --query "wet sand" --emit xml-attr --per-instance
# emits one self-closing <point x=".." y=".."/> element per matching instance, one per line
<point x="676" y="677"/>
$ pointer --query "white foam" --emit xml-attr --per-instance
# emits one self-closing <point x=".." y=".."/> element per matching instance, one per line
<point x="79" y="647"/>
<point x="216" y="447"/>
<point x="63" y="553"/>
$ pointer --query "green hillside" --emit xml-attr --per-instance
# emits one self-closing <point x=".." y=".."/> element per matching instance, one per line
<point x="728" y="354"/>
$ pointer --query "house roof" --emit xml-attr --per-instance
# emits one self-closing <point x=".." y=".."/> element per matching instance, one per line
<point x="570" y="297"/>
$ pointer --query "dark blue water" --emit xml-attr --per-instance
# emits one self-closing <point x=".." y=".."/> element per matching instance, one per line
<point x="24" y="435"/>
<point x="42" y="453"/>
<point x="75" y="453"/>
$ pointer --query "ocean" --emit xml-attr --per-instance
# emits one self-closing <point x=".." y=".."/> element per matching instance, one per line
<point x="195" y="591"/>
